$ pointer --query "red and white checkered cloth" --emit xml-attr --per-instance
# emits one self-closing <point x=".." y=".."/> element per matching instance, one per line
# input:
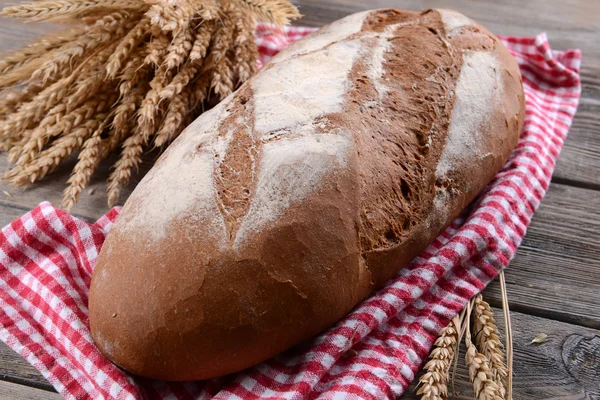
<point x="47" y="257"/>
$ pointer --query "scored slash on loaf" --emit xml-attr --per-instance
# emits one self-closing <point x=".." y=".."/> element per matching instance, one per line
<point x="279" y="210"/>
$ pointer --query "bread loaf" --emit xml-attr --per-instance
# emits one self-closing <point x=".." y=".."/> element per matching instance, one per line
<point x="279" y="210"/>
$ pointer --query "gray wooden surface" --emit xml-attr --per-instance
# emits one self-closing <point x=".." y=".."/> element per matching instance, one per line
<point x="554" y="281"/>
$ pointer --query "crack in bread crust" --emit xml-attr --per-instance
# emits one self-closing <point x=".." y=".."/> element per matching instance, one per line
<point x="235" y="171"/>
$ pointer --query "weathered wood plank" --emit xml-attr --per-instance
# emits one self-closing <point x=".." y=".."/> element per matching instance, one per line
<point x="580" y="158"/>
<point x="564" y="367"/>
<point x="555" y="273"/>
<point x="14" y="368"/>
<point x="14" y="391"/>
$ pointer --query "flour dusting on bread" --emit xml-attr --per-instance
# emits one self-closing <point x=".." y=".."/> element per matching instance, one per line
<point x="189" y="163"/>
<point x="294" y="93"/>
<point x="335" y="32"/>
<point x="376" y="67"/>
<point x="290" y="171"/>
<point x="454" y="22"/>
<point x="477" y="95"/>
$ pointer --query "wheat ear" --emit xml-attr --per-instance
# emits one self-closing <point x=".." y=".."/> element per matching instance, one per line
<point x="276" y="11"/>
<point x="479" y="366"/>
<point x="434" y="383"/>
<point x="61" y="9"/>
<point x="35" y="50"/>
<point x="488" y="341"/>
<point x="88" y="160"/>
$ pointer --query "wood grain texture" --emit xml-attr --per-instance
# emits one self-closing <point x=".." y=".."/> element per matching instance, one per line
<point x="556" y="269"/>
<point x="14" y="368"/>
<point x="580" y="158"/>
<point x="14" y="391"/>
<point x="560" y="368"/>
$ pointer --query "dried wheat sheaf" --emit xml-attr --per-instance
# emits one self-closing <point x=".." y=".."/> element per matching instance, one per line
<point x="126" y="75"/>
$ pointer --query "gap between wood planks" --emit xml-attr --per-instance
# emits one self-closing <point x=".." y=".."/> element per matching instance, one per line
<point x="14" y="391"/>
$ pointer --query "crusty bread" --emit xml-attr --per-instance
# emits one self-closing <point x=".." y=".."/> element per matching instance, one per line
<point x="280" y="209"/>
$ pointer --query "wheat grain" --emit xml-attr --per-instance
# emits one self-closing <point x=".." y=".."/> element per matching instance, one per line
<point x="50" y="158"/>
<point x="41" y="98"/>
<point x="222" y="80"/>
<point x="125" y="47"/>
<point x="245" y="51"/>
<point x="88" y="160"/>
<point x="68" y="58"/>
<point x="177" y="16"/>
<point x="202" y="40"/>
<point x="179" y="82"/>
<point x="173" y="121"/>
<point x="58" y="122"/>
<point x="13" y="99"/>
<point x="131" y="154"/>
<point x="134" y="71"/>
<point x="279" y="12"/>
<point x="124" y="112"/>
<point x="131" y="157"/>
<point x="149" y="108"/>
<point x="33" y="51"/>
<point x="31" y="112"/>
<point x="156" y="50"/>
<point x="179" y="49"/>
<point x="221" y="41"/>
<point x="108" y="21"/>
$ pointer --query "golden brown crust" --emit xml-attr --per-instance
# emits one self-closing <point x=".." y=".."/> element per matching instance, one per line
<point x="262" y="226"/>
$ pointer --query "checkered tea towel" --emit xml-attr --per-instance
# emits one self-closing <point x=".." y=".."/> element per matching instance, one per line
<point x="47" y="257"/>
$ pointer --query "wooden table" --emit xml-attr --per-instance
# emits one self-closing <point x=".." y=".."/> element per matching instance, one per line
<point x="554" y="281"/>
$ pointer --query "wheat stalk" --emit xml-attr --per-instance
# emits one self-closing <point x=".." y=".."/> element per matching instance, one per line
<point x="202" y="40"/>
<point x="508" y="331"/>
<point x="179" y="49"/>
